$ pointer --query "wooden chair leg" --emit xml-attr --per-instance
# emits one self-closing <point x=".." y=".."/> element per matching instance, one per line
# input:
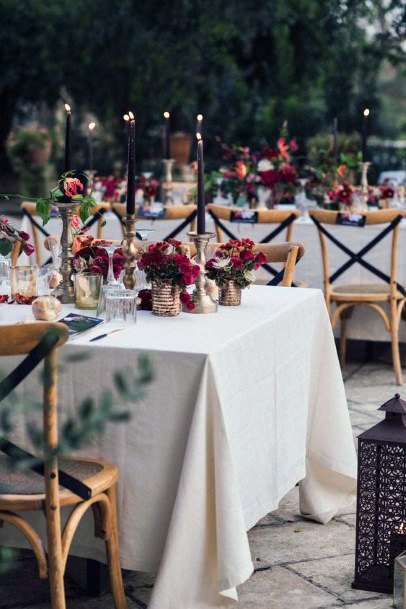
<point x="343" y="340"/>
<point x="55" y="569"/>
<point x="395" y="343"/>
<point x="113" y="555"/>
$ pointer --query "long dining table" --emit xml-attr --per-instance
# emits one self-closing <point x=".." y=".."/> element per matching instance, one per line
<point x="245" y="404"/>
<point x="364" y="323"/>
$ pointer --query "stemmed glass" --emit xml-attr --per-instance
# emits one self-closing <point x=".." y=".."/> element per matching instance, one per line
<point x="110" y="249"/>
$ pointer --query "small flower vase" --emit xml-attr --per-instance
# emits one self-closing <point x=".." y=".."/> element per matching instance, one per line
<point x="165" y="299"/>
<point x="229" y="294"/>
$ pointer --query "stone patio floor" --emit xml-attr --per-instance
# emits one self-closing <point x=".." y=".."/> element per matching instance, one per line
<point x="298" y="564"/>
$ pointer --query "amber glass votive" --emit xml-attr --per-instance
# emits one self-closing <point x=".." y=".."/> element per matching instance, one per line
<point x="87" y="289"/>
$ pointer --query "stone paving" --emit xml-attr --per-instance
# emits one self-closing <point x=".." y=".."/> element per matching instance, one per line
<point x="298" y="564"/>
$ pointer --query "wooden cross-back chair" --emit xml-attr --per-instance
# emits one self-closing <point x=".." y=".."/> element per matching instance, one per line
<point x="348" y="296"/>
<point x="47" y="486"/>
<point x="186" y="213"/>
<point x="288" y="253"/>
<point x="283" y="219"/>
<point x="28" y="209"/>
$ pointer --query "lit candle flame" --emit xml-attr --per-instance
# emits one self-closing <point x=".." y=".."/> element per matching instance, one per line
<point x="131" y="115"/>
<point x="366" y="112"/>
<point x="199" y="136"/>
<point x="402" y="529"/>
<point x="166" y="115"/>
<point x="67" y="108"/>
<point x="92" y="126"/>
<point x="199" y="117"/>
<point x="126" y="117"/>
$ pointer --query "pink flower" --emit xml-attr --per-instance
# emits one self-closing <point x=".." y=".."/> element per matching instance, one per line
<point x="28" y="249"/>
<point x="283" y="148"/>
<point x="72" y="187"/>
<point x="293" y="146"/>
<point x="24" y="236"/>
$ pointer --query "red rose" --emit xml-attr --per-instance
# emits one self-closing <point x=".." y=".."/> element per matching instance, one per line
<point x="95" y="269"/>
<point x="247" y="255"/>
<point x="184" y="297"/>
<point x="236" y="262"/>
<point x="190" y="305"/>
<point x="28" y="249"/>
<point x="24" y="236"/>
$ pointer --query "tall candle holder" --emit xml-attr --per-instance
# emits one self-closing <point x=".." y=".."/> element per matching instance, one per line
<point x="167" y="184"/>
<point x="65" y="291"/>
<point x="204" y="302"/>
<point x="364" y="166"/>
<point x="129" y="251"/>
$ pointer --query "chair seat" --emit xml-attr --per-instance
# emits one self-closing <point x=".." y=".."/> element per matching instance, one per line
<point x="27" y="487"/>
<point x="362" y="292"/>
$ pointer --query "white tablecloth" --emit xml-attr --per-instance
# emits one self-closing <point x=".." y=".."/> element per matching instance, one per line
<point x="364" y="323"/>
<point x="245" y="403"/>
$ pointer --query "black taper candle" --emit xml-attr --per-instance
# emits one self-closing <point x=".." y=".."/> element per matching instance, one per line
<point x="365" y="135"/>
<point x="167" y="139"/>
<point x="131" y="166"/>
<point x="90" y="142"/>
<point x="68" y="138"/>
<point x="201" y="204"/>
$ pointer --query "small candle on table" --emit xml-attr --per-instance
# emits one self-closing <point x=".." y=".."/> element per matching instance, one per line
<point x="201" y="203"/>
<point x="68" y="137"/>
<point x="131" y="165"/>
<point x="90" y="142"/>
<point x="365" y="135"/>
<point x="167" y="139"/>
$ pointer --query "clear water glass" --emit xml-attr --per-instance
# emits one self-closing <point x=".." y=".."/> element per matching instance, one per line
<point x="104" y="290"/>
<point x="121" y="307"/>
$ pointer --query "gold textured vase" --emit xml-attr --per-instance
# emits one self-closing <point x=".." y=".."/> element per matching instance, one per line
<point x="165" y="299"/>
<point x="230" y="294"/>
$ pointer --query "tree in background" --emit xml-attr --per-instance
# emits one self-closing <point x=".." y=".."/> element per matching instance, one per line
<point x="246" y="66"/>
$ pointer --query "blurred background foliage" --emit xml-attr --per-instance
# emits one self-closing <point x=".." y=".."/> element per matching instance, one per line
<point x="247" y="66"/>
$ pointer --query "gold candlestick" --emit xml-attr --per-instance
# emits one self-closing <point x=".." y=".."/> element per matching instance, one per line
<point x="167" y="184"/>
<point x="65" y="291"/>
<point x="205" y="303"/>
<point x="364" y="182"/>
<point x="129" y="251"/>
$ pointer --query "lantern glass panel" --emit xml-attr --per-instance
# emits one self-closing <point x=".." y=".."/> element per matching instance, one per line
<point x="399" y="582"/>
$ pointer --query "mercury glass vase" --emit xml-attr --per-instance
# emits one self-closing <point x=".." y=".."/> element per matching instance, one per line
<point x="165" y="299"/>
<point x="230" y="294"/>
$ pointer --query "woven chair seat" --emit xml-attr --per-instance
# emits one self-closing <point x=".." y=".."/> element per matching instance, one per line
<point x="365" y="291"/>
<point x="30" y="483"/>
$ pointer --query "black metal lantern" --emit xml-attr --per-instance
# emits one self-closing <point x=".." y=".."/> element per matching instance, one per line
<point x="381" y="500"/>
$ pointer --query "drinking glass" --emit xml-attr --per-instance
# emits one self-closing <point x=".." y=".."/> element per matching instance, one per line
<point x="87" y="289"/>
<point x="24" y="283"/>
<point x="121" y="307"/>
<point x="104" y="290"/>
<point x="5" y="270"/>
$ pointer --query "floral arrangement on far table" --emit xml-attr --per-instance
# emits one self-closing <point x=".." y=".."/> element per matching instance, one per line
<point x="164" y="263"/>
<point x="235" y="261"/>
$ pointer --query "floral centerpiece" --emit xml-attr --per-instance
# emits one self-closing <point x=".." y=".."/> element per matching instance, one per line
<point x="170" y="272"/>
<point x="232" y="269"/>
<point x="267" y="175"/>
<point x="341" y="195"/>
<point x="149" y="187"/>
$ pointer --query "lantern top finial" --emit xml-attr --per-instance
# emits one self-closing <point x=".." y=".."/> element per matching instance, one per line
<point x="395" y="405"/>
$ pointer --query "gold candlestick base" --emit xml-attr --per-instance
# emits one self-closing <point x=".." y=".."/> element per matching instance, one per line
<point x="205" y="303"/>
<point x="130" y="252"/>
<point x="364" y="166"/>
<point x="65" y="291"/>
<point x="167" y="184"/>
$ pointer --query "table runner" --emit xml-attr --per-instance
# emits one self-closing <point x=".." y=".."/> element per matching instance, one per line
<point x="245" y="403"/>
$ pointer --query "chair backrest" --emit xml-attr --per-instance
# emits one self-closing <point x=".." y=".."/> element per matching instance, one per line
<point x="29" y="210"/>
<point x="28" y="339"/>
<point x="284" y="218"/>
<point x="389" y="217"/>
<point x="187" y="213"/>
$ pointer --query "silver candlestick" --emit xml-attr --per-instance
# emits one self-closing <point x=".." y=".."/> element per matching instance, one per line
<point x="167" y="184"/>
<point x="364" y="166"/>
<point x="65" y="291"/>
<point x="204" y="302"/>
